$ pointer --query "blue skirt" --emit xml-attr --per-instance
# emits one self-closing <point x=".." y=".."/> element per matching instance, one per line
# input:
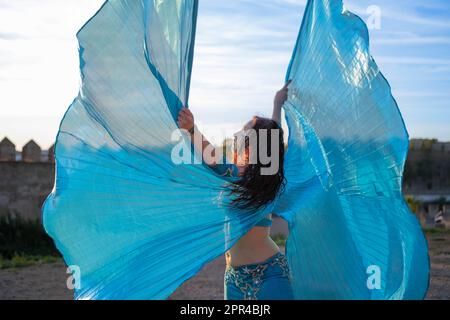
<point x="268" y="280"/>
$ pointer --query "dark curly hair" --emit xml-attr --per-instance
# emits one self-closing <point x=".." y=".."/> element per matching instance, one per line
<point x="254" y="191"/>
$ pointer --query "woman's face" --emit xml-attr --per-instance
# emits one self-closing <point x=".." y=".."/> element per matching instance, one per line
<point x="241" y="149"/>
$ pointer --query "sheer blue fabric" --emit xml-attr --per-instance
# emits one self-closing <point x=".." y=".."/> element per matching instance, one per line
<point x="138" y="224"/>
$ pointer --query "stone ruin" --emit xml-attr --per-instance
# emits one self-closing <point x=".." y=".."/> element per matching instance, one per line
<point x="31" y="152"/>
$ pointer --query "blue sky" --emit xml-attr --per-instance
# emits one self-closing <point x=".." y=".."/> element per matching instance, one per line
<point x="243" y="48"/>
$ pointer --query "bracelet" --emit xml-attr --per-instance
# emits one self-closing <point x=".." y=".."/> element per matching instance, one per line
<point x="192" y="130"/>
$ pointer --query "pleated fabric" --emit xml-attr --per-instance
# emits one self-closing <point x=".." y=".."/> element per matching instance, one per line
<point x="347" y="147"/>
<point x="138" y="224"/>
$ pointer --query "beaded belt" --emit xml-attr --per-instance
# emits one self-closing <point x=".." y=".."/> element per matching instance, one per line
<point x="248" y="278"/>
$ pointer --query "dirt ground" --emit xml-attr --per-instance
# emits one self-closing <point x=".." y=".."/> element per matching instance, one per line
<point x="48" y="282"/>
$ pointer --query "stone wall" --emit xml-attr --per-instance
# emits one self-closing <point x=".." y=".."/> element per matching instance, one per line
<point x="427" y="171"/>
<point x="24" y="187"/>
<point x="25" y="183"/>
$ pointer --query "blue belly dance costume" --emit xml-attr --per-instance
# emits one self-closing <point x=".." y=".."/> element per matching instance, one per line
<point x="267" y="280"/>
<point x="138" y="224"/>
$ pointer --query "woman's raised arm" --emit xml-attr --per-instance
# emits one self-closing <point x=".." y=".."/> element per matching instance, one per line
<point x="201" y="144"/>
<point x="280" y="99"/>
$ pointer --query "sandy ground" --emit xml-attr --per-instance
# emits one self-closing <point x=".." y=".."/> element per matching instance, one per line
<point x="48" y="281"/>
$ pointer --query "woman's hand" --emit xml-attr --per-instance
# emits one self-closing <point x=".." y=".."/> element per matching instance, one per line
<point x="186" y="119"/>
<point x="201" y="144"/>
<point x="282" y="95"/>
<point x="280" y="99"/>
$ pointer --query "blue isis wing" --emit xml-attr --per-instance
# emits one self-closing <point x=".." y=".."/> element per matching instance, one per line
<point x="351" y="234"/>
<point x="134" y="219"/>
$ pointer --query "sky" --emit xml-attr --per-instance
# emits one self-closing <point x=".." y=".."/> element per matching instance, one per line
<point x="242" y="51"/>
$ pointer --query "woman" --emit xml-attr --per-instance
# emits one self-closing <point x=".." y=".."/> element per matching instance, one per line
<point x="256" y="268"/>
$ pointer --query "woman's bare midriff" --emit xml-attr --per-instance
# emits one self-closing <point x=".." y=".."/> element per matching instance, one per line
<point x="255" y="247"/>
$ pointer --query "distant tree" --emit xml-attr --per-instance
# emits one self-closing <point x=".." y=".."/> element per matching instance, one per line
<point x="413" y="204"/>
<point x="442" y="201"/>
<point x="428" y="143"/>
<point x="409" y="173"/>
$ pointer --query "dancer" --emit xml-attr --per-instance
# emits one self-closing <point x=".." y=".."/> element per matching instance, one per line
<point x="256" y="267"/>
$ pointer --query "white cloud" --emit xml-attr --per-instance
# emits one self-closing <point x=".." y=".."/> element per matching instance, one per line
<point x="39" y="74"/>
